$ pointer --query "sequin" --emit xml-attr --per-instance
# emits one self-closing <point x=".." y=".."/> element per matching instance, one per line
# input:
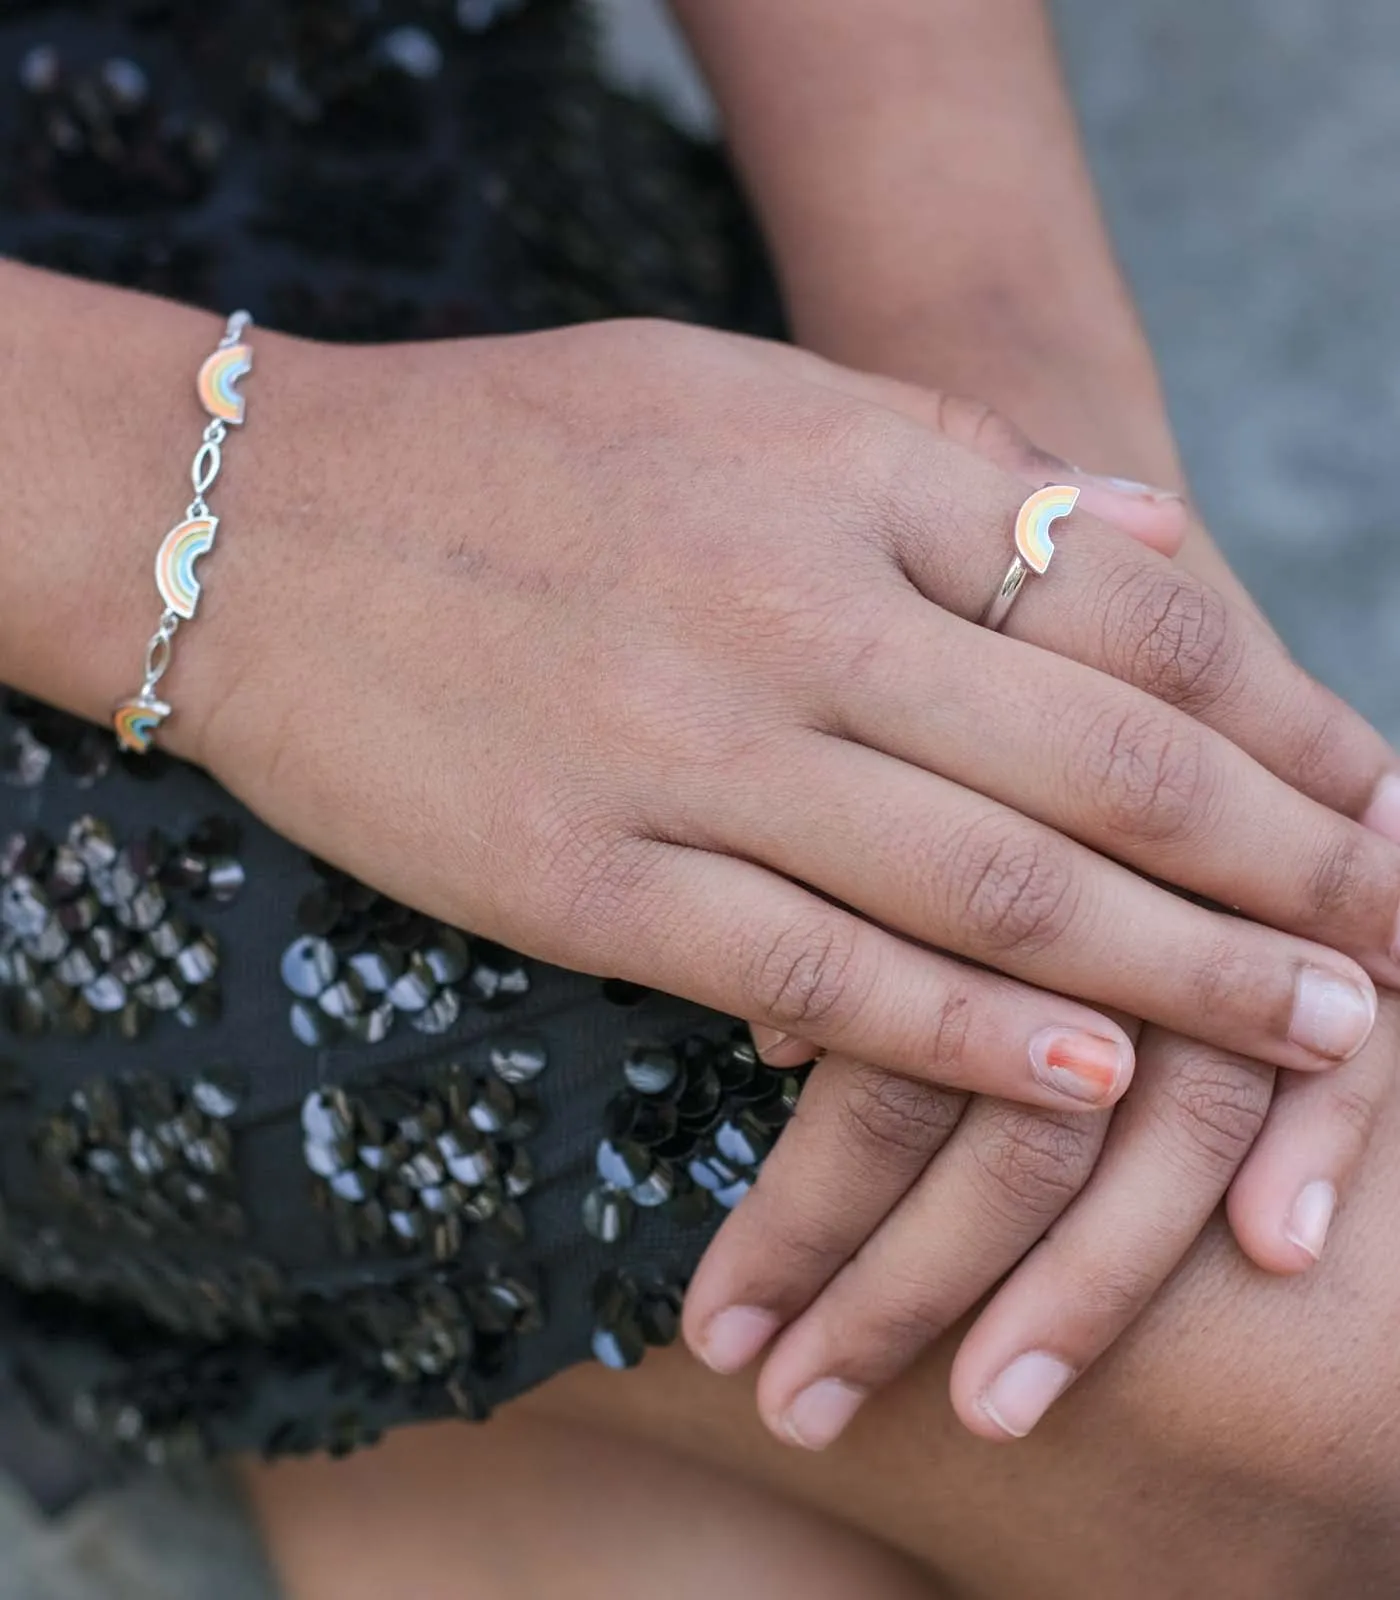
<point x="418" y="1152"/>
<point x="607" y="1214"/>
<point x="651" y="1071"/>
<point x="308" y="966"/>
<point x="83" y="929"/>
<point x="139" y="1155"/>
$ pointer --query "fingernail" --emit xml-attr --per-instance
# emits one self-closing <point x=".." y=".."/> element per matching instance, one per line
<point x="819" y="1414"/>
<point x="1025" y="1391"/>
<point x="1130" y="486"/>
<point x="1311" y="1217"/>
<point x="1083" y="1066"/>
<point x="765" y="1039"/>
<point x="1383" y="814"/>
<point x="1331" y="1017"/>
<point x="783" y="1049"/>
<point x="734" y="1337"/>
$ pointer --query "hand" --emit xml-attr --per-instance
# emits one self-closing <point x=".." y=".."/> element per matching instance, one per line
<point x="647" y="652"/>
<point x="889" y="1209"/>
<point x="851" y="201"/>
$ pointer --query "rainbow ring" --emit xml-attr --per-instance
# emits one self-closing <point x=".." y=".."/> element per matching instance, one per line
<point x="1034" y="546"/>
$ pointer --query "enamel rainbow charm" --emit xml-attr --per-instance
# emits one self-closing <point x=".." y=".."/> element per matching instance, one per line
<point x="217" y="379"/>
<point x="136" y="722"/>
<point x="175" y="563"/>
<point x="1033" y="541"/>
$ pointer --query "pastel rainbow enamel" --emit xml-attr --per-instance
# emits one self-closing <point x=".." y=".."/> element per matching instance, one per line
<point x="136" y="722"/>
<point x="180" y="550"/>
<point x="1033" y="541"/>
<point x="217" y="379"/>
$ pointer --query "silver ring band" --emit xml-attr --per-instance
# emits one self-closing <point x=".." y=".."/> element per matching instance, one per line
<point x="1001" y="602"/>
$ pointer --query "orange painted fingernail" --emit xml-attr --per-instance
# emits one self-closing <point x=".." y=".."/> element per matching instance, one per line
<point x="1084" y="1066"/>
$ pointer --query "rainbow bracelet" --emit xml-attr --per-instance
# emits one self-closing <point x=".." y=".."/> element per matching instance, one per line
<point x="138" y="719"/>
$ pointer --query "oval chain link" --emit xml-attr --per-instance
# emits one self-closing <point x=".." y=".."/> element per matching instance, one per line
<point x="205" y="468"/>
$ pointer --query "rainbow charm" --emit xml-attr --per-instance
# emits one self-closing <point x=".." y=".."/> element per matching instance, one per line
<point x="175" y="563"/>
<point x="1033" y="541"/>
<point x="217" y="378"/>
<point x="136" y="722"/>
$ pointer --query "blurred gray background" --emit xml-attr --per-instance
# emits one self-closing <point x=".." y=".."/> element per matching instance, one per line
<point x="1250" y="157"/>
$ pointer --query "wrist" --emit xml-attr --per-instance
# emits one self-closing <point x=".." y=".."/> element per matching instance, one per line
<point x="97" y="470"/>
<point x="89" y="462"/>
<point x="278" y="506"/>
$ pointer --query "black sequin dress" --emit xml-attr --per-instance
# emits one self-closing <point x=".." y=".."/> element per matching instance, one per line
<point x="284" y="1163"/>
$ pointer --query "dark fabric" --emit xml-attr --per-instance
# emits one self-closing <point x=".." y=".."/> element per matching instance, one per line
<point x="283" y="1164"/>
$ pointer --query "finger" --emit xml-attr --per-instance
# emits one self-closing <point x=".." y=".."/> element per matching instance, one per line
<point x="730" y="935"/>
<point x="1001" y="1181"/>
<point x="1134" y="778"/>
<point x="1282" y="1203"/>
<point x="1111" y="604"/>
<point x="1167" y="1161"/>
<point x="859" y="1138"/>
<point x="1157" y="518"/>
<point x="953" y="869"/>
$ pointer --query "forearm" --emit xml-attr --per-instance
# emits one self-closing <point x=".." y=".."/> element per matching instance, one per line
<point x="918" y="171"/>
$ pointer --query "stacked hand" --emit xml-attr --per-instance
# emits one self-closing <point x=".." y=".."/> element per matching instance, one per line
<point x="651" y="652"/>
<point x="891" y="1208"/>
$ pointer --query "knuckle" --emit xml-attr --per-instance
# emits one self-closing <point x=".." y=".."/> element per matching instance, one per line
<point x="1227" y="981"/>
<point x="948" y="1036"/>
<point x="882" y="1111"/>
<point x="1014" y="888"/>
<point x="1220" y="1103"/>
<point x="802" y="979"/>
<point x="1331" y="752"/>
<point x="1115" y="1292"/>
<point x="1177" y="636"/>
<point x="892" y="485"/>
<point x="790" y="1249"/>
<point x="1351" y="1106"/>
<point x="593" y="878"/>
<point x="865" y="461"/>
<point x="1340" y="877"/>
<point x="907" y="1321"/>
<point x="1034" y="1163"/>
<point x="1150" y="773"/>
